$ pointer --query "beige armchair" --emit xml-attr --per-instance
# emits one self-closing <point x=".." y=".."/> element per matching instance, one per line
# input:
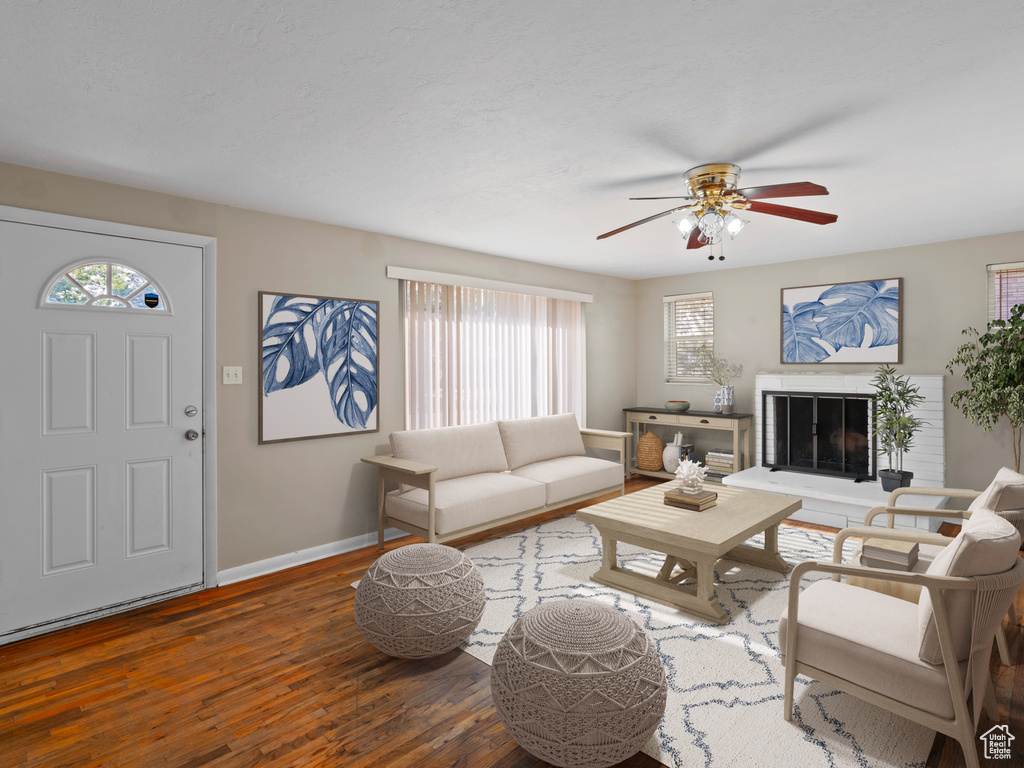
<point x="926" y="662"/>
<point x="1004" y="496"/>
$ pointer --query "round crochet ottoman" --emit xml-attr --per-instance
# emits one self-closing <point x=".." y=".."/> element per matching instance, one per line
<point x="578" y="684"/>
<point x="420" y="600"/>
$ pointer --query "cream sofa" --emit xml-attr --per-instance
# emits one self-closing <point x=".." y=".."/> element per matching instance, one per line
<point x="454" y="481"/>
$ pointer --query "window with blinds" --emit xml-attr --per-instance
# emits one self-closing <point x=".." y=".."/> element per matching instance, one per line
<point x="689" y="325"/>
<point x="474" y="355"/>
<point x="1005" y="289"/>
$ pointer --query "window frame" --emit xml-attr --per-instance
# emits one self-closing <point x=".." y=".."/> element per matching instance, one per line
<point x="702" y="302"/>
<point x="993" y="289"/>
<point x="65" y="271"/>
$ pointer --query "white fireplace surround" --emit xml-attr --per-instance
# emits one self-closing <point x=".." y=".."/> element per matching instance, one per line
<point x="837" y="501"/>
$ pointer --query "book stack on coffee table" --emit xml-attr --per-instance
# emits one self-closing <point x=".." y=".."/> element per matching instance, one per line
<point x="698" y="502"/>
<point x="894" y="555"/>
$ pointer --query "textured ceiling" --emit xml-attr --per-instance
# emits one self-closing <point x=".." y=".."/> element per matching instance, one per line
<point x="521" y="128"/>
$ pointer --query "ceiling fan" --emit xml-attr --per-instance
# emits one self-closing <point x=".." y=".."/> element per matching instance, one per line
<point x="716" y="198"/>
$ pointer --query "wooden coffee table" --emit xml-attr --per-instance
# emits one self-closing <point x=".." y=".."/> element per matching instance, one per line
<point x="692" y="542"/>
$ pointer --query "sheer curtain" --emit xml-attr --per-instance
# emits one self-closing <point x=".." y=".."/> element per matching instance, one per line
<point x="474" y="355"/>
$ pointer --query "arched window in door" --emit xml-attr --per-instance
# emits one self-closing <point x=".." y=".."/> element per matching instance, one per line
<point x="104" y="285"/>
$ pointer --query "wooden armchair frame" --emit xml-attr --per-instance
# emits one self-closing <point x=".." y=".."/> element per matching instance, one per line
<point x="961" y="727"/>
<point x="890" y="510"/>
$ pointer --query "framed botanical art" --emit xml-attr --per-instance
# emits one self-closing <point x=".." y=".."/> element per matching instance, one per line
<point x="843" y="322"/>
<point x="319" y="373"/>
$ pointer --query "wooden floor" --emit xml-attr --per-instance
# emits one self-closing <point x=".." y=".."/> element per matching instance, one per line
<point x="273" y="672"/>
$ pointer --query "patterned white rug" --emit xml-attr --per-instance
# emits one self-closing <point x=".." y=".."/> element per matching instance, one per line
<point x="725" y="682"/>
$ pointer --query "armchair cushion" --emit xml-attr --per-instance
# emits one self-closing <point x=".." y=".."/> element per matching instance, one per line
<point x="1004" y="494"/>
<point x="528" y="441"/>
<point x="987" y="544"/>
<point x="871" y="639"/>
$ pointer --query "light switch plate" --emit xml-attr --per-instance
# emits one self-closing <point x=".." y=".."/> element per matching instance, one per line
<point x="232" y="374"/>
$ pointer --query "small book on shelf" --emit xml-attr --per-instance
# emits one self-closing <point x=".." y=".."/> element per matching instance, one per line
<point x="890" y="552"/>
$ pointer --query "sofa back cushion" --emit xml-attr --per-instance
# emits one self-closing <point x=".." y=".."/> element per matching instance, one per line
<point x="528" y="441"/>
<point x="986" y="545"/>
<point x="455" y="451"/>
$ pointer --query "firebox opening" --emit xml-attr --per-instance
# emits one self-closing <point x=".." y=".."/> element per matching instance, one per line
<point x="819" y="432"/>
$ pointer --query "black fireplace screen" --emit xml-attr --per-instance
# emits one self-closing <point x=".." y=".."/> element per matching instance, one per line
<point x="819" y="432"/>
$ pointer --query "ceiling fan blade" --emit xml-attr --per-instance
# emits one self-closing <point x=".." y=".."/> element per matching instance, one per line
<point x="800" y="214"/>
<point x="694" y="241"/>
<point x="794" y="189"/>
<point x="642" y="221"/>
<point x="676" y="197"/>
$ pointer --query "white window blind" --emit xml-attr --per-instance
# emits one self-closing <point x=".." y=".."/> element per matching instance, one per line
<point x="689" y="325"/>
<point x="1005" y="289"/>
<point x="474" y="355"/>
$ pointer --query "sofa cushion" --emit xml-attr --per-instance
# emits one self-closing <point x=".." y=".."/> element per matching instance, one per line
<point x="570" y="476"/>
<point x="987" y="544"/>
<point x="462" y="502"/>
<point x="455" y="451"/>
<point x="869" y="639"/>
<point x="528" y="441"/>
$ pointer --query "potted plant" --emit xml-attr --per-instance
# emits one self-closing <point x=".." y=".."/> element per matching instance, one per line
<point x="720" y="371"/>
<point x="994" y="369"/>
<point x="894" y="425"/>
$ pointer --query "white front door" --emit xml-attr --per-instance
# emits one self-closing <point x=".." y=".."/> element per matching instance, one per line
<point x="101" y="487"/>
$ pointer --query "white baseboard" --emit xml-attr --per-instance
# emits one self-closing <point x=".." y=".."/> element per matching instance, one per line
<point x="281" y="562"/>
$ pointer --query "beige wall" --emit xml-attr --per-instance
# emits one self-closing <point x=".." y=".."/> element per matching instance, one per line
<point x="279" y="498"/>
<point x="944" y="291"/>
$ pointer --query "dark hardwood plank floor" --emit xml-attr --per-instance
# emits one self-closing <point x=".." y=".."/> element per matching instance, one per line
<point x="273" y="672"/>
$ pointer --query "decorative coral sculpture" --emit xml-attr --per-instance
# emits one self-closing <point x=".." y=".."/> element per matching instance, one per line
<point x="692" y="475"/>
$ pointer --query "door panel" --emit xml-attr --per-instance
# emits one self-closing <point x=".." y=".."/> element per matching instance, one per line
<point x="102" y="499"/>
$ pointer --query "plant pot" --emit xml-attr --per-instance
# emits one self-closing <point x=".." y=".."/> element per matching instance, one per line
<point x="724" y="400"/>
<point x="893" y="479"/>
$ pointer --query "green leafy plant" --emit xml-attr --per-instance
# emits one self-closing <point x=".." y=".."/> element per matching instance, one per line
<point x="994" y="369"/>
<point x="894" y="426"/>
<point x="717" y="368"/>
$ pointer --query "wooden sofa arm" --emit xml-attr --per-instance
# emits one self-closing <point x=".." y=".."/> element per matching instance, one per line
<point x="399" y="467"/>
<point x="412" y="473"/>
<point x="608" y="440"/>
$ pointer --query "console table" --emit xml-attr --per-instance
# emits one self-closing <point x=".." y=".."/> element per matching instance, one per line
<point x="739" y="424"/>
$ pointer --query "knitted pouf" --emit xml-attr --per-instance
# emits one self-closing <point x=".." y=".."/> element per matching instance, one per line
<point x="578" y="684"/>
<point x="420" y="600"/>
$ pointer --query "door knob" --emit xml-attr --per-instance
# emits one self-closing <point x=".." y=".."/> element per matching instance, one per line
<point x="191" y="435"/>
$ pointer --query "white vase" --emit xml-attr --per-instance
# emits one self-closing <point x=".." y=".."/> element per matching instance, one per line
<point x="670" y="457"/>
<point x="724" y="399"/>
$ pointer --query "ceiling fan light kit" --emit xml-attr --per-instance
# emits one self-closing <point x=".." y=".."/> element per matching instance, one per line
<point x="715" y="200"/>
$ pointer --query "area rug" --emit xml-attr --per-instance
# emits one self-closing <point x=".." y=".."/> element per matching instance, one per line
<point x="725" y="682"/>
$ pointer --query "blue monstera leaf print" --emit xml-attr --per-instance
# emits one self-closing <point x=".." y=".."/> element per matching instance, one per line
<point x="844" y="323"/>
<point x="800" y="335"/>
<point x="348" y="357"/>
<point x="303" y="337"/>
<point x="290" y="342"/>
